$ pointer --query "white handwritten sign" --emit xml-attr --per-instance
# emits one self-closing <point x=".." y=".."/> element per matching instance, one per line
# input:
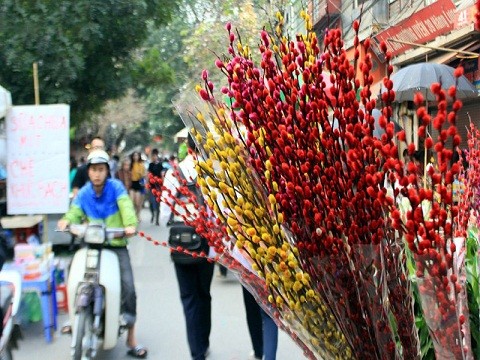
<point x="38" y="159"/>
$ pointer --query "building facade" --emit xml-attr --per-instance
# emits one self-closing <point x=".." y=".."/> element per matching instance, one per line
<point x="440" y="31"/>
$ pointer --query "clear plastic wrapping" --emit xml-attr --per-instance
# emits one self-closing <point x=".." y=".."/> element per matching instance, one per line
<point x="444" y="301"/>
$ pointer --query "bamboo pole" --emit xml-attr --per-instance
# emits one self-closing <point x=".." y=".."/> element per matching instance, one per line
<point x="36" y="90"/>
<point x="464" y="54"/>
<point x="35" y="84"/>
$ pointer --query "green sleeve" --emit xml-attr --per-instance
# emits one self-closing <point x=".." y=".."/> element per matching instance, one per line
<point x="74" y="215"/>
<point x="127" y="211"/>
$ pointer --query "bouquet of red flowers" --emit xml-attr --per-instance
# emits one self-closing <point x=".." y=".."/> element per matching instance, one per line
<point x="317" y="212"/>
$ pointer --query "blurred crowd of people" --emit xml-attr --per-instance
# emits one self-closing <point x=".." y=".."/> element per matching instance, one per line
<point x="133" y="169"/>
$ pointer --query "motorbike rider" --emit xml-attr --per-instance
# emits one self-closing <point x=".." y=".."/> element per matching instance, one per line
<point x="106" y="199"/>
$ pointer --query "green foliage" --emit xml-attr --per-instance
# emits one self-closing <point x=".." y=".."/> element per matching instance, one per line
<point x="471" y="266"/>
<point x="83" y="48"/>
<point x="177" y="53"/>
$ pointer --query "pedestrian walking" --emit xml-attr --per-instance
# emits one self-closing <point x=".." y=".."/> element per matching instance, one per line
<point x="194" y="280"/>
<point x="137" y="189"/>
<point x="155" y="169"/>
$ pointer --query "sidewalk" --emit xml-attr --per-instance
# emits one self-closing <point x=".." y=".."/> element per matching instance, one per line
<point x="160" y="324"/>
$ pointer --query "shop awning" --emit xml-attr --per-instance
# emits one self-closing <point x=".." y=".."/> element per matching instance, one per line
<point x="182" y="134"/>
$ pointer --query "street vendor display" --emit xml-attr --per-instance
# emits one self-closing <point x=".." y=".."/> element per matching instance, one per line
<point x="357" y="253"/>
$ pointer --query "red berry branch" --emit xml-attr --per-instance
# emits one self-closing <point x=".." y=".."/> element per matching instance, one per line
<point x="329" y="172"/>
<point x="428" y="225"/>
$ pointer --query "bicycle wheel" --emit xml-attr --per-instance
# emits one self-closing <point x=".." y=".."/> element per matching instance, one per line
<point x="83" y="335"/>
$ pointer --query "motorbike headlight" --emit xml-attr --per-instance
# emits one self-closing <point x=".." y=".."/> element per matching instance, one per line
<point x="95" y="235"/>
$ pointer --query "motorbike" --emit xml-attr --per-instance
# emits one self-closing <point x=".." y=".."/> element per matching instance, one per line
<point x="10" y="295"/>
<point x="94" y="292"/>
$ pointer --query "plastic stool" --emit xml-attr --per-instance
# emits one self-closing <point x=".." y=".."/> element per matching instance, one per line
<point x="45" y="288"/>
<point x="62" y="299"/>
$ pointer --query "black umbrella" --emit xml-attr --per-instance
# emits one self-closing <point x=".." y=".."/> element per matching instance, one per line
<point x="419" y="77"/>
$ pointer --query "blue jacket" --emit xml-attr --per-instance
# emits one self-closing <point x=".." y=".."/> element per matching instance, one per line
<point x="113" y="207"/>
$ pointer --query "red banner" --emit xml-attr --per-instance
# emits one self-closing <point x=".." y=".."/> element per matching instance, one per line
<point x="420" y="28"/>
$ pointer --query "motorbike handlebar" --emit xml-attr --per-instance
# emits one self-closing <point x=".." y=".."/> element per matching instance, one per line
<point x="80" y="229"/>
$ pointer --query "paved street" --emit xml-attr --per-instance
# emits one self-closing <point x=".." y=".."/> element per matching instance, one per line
<point x="160" y="319"/>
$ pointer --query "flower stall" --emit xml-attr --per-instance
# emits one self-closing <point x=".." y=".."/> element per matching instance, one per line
<point x="354" y="251"/>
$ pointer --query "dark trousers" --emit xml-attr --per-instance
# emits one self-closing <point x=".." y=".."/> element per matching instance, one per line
<point x="129" y="296"/>
<point x="194" y="283"/>
<point x="263" y="330"/>
<point x="154" y="207"/>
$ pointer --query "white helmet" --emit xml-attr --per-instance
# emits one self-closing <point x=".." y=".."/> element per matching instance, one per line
<point x="98" y="157"/>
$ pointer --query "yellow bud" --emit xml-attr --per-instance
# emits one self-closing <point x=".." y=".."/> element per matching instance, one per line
<point x="266" y="237"/>
<point x="276" y="229"/>
<point x="297" y="286"/>
<point x="280" y="218"/>
<point x="211" y="143"/>
<point x="267" y="174"/>
<point x="223" y="165"/>
<point x="268" y="165"/>
<point x="251" y="231"/>
<point x="270" y="299"/>
<point x="198" y="88"/>
<point x="213" y="195"/>
<point x="256" y="239"/>
<point x="232" y="222"/>
<point x="249" y="214"/>
<point x="228" y="138"/>
<point x="275" y="186"/>
<point x="211" y="182"/>
<point x="223" y="187"/>
<point x="259" y="212"/>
